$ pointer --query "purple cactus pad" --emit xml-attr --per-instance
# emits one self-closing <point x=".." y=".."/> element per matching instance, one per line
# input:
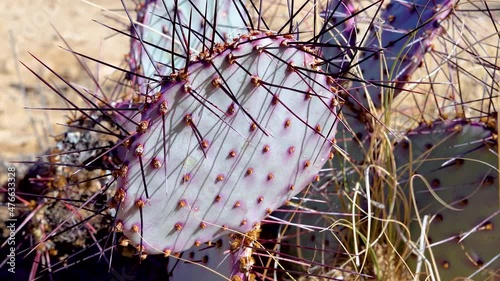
<point x="226" y="141"/>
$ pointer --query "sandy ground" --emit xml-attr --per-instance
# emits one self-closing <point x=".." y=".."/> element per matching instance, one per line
<point x="29" y="26"/>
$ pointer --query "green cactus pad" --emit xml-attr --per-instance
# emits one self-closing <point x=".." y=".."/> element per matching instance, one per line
<point x="458" y="159"/>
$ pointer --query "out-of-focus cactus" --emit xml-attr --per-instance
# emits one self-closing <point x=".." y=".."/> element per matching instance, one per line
<point x="451" y="167"/>
<point x="339" y="36"/>
<point x="399" y="44"/>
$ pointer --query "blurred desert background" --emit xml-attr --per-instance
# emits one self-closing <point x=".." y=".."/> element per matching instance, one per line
<point x="29" y="26"/>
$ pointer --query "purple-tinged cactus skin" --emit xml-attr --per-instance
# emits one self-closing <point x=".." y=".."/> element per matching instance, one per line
<point x="159" y="47"/>
<point x="127" y="115"/>
<point x="403" y="38"/>
<point x="459" y="161"/>
<point x="209" y="153"/>
<point x="341" y="35"/>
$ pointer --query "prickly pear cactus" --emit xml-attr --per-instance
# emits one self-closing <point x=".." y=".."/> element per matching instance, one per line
<point x="459" y="161"/>
<point x="339" y="36"/>
<point x="209" y="151"/>
<point x="338" y="49"/>
<point x="165" y="29"/>
<point x="399" y="45"/>
<point x="229" y="132"/>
